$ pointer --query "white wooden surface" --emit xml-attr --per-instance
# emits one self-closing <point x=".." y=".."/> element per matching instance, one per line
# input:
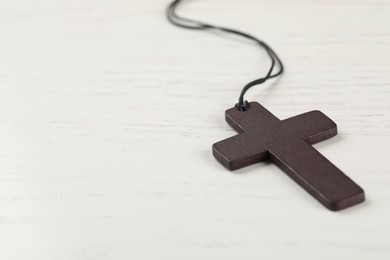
<point x="108" y="114"/>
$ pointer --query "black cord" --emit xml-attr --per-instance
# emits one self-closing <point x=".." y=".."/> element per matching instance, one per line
<point x="196" y="25"/>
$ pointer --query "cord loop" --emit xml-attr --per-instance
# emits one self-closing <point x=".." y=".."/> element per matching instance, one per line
<point x="197" y="25"/>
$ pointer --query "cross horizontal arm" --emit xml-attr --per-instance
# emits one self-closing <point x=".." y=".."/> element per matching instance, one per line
<point x="312" y="126"/>
<point x="239" y="151"/>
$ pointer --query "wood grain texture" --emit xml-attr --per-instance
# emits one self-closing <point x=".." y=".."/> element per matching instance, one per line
<point x="108" y="113"/>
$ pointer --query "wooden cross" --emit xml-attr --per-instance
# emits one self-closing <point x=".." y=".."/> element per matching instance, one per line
<point x="287" y="143"/>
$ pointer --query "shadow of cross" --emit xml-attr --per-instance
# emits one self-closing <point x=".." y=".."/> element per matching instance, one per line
<point x="287" y="143"/>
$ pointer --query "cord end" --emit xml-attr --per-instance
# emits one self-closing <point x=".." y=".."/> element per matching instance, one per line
<point x="244" y="106"/>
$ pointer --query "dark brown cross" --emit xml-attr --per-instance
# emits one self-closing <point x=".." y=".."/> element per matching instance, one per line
<point x="287" y="143"/>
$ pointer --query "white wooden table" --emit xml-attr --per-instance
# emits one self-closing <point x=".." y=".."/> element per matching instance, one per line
<point x="108" y="114"/>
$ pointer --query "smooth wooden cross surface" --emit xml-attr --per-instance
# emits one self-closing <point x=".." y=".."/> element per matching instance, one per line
<point x="287" y="143"/>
